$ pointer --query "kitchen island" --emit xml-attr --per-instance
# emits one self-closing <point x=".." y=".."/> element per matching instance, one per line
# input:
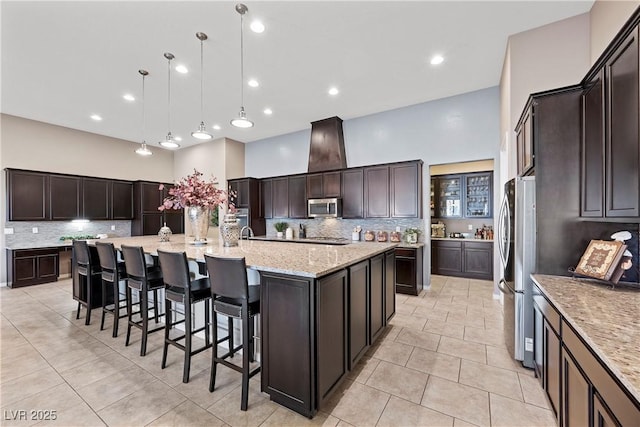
<point x="322" y="306"/>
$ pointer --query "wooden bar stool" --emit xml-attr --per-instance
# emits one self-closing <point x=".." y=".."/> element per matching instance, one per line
<point x="113" y="272"/>
<point x="233" y="297"/>
<point x="179" y="288"/>
<point x="87" y="269"/>
<point x="143" y="279"/>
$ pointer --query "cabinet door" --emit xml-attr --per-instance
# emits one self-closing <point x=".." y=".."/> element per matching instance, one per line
<point x="95" y="198"/>
<point x="376" y="192"/>
<point x="151" y="197"/>
<point x="552" y="367"/>
<point x="478" y="191"/>
<point x="175" y="221"/>
<point x="406" y="190"/>
<point x="314" y="186"/>
<point x="390" y="284"/>
<point x="576" y="392"/>
<point x="64" y="193"/>
<point x="432" y="193"/>
<point x="478" y="260"/>
<point x="331" y="184"/>
<point x="353" y="193"/>
<point x="524" y="141"/>
<point x="377" y="297"/>
<point x="239" y="193"/>
<point x="121" y="200"/>
<point x="601" y="415"/>
<point x="48" y="266"/>
<point x="298" y="197"/>
<point x="358" y="309"/>
<point x="406" y="271"/>
<point x="266" y="198"/>
<point x="622" y="151"/>
<point x="280" y="197"/>
<point x="448" y="256"/>
<point x="449" y="196"/>
<point x="27" y="196"/>
<point x="538" y="343"/>
<point x="592" y="160"/>
<point x="24" y="270"/>
<point x="151" y="223"/>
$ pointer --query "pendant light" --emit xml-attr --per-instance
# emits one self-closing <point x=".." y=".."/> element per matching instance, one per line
<point x="201" y="133"/>
<point x="143" y="150"/>
<point x="169" y="142"/>
<point x="241" y="121"/>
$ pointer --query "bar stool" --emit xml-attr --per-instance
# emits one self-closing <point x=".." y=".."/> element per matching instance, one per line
<point x="113" y="271"/>
<point x="233" y="297"/>
<point x="86" y="269"/>
<point x="143" y="279"/>
<point x="179" y="288"/>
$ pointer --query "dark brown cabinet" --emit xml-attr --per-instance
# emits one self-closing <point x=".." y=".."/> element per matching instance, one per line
<point x="247" y="198"/>
<point x="408" y="270"/>
<point x="463" y="195"/>
<point x="376" y="192"/>
<point x="478" y="195"/>
<point x="358" y="311"/>
<point x="610" y="160"/>
<point x="377" y="293"/>
<point x="280" y="200"/>
<point x="353" y="193"/>
<point x="324" y="185"/>
<point x="121" y="200"/>
<point x="472" y="259"/>
<point x="65" y="197"/>
<point x="96" y="198"/>
<point x="601" y="415"/>
<point x="31" y="266"/>
<point x="27" y="196"/>
<point x="390" y="284"/>
<point x="147" y="218"/>
<point x="239" y="192"/>
<point x="406" y="190"/>
<point x="266" y="198"/>
<point x="576" y="393"/>
<point x="525" y="143"/>
<point x="547" y="349"/>
<point x="298" y="196"/>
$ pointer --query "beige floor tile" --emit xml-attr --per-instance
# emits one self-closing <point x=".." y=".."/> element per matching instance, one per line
<point x="343" y="423"/>
<point x="27" y="385"/>
<point x="78" y="415"/>
<point x="399" y="381"/>
<point x="431" y="313"/>
<point x="511" y="413"/>
<point x="58" y="398"/>
<point x="94" y="370"/>
<point x="143" y="406"/>
<point x="483" y="336"/>
<point x="500" y="357"/>
<point x="197" y="389"/>
<point x="464" y="319"/>
<point x="19" y="366"/>
<point x="399" y="412"/>
<point x="434" y="363"/>
<point x="361" y="405"/>
<point x="532" y="391"/>
<point x="405" y="308"/>
<point x="408" y="321"/>
<point x="463" y="349"/>
<point x="417" y="301"/>
<point x="441" y="327"/>
<point x="457" y="400"/>
<point x="187" y="414"/>
<point x="283" y="417"/>
<point x="394" y="352"/>
<point x="363" y="369"/>
<point x="259" y="408"/>
<point x="420" y="339"/>
<point x="457" y="422"/>
<point x="491" y="379"/>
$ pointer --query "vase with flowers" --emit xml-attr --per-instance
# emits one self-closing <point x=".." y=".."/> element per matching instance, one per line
<point x="197" y="197"/>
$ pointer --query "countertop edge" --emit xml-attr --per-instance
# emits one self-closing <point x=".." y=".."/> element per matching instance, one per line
<point x="604" y="359"/>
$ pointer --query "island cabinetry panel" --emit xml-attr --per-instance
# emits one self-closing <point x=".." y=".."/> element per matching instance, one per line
<point x="576" y="393"/>
<point x="378" y="318"/>
<point x="280" y="191"/>
<point x="27" y="196"/>
<point x="376" y="192"/>
<point x="359" y="306"/>
<point x="32" y="266"/>
<point x="298" y="196"/>
<point x="547" y="349"/>
<point x="408" y="270"/>
<point x="324" y="185"/>
<point x="65" y="197"/>
<point x="406" y="190"/>
<point x="96" y="198"/>
<point x="353" y="193"/>
<point x="390" y="284"/>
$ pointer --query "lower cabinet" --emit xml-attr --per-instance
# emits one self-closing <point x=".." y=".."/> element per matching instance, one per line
<point x="580" y="389"/>
<point x="390" y="284"/>
<point x="408" y="270"/>
<point x="472" y="259"/>
<point x="32" y="266"/>
<point x="358" y="311"/>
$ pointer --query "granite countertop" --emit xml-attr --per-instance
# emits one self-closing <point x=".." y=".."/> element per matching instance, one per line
<point x="460" y="239"/>
<point x="332" y="241"/>
<point x="607" y="319"/>
<point x="308" y="260"/>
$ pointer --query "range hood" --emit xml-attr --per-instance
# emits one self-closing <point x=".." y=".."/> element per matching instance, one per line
<point x="326" y="151"/>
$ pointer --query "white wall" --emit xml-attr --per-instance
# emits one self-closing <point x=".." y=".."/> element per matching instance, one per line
<point x="607" y="18"/>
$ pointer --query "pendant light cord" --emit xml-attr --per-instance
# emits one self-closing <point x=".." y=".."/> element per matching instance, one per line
<point x="201" y="81"/>
<point x="241" y="62"/>
<point x="144" y="115"/>
<point x="169" y="95"/>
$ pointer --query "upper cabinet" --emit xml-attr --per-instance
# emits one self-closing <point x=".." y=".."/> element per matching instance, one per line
<point x="376" y="192"/>
<point x="121" y="200"/>
<point x="245" y="194"/>
<point x="477" y="195"/>
<point x="65" y="197"/>
<point x="297" y="196"/>
<point x="353" y="193"/>
<point x="324" y="185"/>
<point x="610" y="158"/>
<point x="147" y="218"/>
<point x="406" y="190"/>
<point x="449" y="196"/>
<point x="463" y="195"/>
<point x="525" y="143"/>
<point x="27" y="196"/>
<point x="96" y="198"/>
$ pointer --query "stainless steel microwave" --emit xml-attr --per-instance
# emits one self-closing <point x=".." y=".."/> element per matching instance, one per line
<point x="324" y="208"/>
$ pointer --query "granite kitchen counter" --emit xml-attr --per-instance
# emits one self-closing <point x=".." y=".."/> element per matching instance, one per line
<point x="608" y="320"/>
<point x="306" y="260"/>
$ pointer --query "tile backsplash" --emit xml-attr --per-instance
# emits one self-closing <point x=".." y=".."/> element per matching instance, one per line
<point x="49" y="232"/>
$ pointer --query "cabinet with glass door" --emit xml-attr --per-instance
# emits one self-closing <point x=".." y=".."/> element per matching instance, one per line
<point x="478" y="195"/>
<point x="449" y="196"/>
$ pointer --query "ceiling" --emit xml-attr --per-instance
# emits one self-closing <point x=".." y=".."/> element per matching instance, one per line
<point x="64" y="61"/>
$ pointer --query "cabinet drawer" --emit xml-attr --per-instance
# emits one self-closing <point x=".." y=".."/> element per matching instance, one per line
<point x="406" y="252"/>
<point x="622" y="406"/>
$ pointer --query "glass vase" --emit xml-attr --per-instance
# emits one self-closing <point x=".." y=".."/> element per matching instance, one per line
<point x="199" y="221"/>
<point x="230" y="230"/>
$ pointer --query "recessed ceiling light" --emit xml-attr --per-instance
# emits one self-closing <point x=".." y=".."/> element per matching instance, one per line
<point x="253" y="83"/>
<point x="257" y="26"/>
<point x="177" y="138"/>
<point x="96" y="117"/>
<point x="334" y="91"/>
<point x="129" y="97"/>
<point x="216" y="127"/>
<point x="437" y="59"/>
<point x="182" y="69"/>
<point x="268" y="111"/>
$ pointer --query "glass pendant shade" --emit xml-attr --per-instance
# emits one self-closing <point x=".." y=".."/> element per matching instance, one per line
<point x="143" y="150"/>
<point x="169" y="142"/>
<point x="241" y="121"/>
<point x="201" y="133"/>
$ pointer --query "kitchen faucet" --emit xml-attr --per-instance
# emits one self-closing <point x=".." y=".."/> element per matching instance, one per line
<point x="249" y="233"/>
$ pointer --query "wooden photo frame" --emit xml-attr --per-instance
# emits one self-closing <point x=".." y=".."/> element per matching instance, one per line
<point x="601" y="259"/>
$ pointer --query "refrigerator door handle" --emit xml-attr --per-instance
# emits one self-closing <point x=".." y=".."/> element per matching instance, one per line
<point x="508" y="237"/>
<point x="501" y="286"/>
<point x="501" y="237"/>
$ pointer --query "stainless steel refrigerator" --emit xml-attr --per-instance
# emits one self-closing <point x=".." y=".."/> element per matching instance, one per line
<point x="517" y="244"/>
